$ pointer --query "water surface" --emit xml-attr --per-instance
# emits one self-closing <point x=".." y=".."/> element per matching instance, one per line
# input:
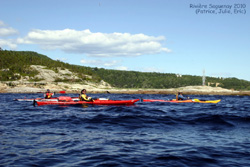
<point x="144" y="134"/>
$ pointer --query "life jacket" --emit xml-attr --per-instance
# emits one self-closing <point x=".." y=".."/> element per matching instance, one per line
<point x="83" y="97"/>
<point x="48" y="95"/>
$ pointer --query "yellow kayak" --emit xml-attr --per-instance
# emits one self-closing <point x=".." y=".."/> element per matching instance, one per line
<point x="206" y="101"/>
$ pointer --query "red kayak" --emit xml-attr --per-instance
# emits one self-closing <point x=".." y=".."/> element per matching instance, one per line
<point x="43" y="99"/>
<point x="182" y="101"/>
<point x="70" y="101"/>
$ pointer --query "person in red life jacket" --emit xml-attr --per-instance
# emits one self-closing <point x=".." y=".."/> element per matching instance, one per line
<point x="84" y="97"/>
<point x="48" y="94"/>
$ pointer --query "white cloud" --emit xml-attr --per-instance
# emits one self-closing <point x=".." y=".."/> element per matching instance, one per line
<point x="95" y="44"/>
<point x="123" y="68"/>
<point x="7" y="31"/>
<point x="99" y="62"/>
<point x="111" y="63"/>
<point x="8" y="42"/>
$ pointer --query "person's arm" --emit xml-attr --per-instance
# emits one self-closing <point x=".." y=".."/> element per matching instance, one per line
<point x="182" y="97"/>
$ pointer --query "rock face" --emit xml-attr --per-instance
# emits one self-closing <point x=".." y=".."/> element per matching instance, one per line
<point x="50" y="75"/>
<point x="47" y="78"/>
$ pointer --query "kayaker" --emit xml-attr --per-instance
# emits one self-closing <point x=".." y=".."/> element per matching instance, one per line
<point x="84" y="97"/>
<point x="180" y="96"/>
<point x="48" y="94"/>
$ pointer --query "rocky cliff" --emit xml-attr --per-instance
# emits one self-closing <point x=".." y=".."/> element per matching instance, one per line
<point x="48" y="79"/>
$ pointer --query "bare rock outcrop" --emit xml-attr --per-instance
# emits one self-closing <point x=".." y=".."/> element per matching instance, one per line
<point x="49" y="75"/>
<point x="47" y="78"/>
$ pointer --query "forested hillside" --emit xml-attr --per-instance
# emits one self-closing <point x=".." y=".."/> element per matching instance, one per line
<point x="18" y="62"/>
<point x="132" y="79"/>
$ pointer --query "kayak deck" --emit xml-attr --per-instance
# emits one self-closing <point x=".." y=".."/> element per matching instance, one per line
<point x="95" y="102"/>
<point x="43" y="99"/>
<point x="182" y="101"/>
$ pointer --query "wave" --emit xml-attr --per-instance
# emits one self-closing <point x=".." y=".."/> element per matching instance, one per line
<point x="145" y="134"/>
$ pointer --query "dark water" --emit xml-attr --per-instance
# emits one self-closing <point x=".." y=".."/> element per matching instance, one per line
<point x="145" y="134"/>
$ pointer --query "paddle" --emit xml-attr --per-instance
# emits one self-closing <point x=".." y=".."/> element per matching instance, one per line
<point x="34" y="103"/>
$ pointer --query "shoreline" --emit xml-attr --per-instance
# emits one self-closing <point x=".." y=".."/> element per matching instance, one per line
<point x="163" y="92"/>
<point x="188" y="90"/>
<point x="159" y="91"/>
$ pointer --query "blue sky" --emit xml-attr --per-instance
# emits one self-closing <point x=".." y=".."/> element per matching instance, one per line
<point x="165" y="36"/>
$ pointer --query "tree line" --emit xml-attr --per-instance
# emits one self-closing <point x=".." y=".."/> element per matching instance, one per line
<point x="133" y="79"/>
<point x="18" y="62"/>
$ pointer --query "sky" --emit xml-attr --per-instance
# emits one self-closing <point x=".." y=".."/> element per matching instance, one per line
<point x="168" y="36"/>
